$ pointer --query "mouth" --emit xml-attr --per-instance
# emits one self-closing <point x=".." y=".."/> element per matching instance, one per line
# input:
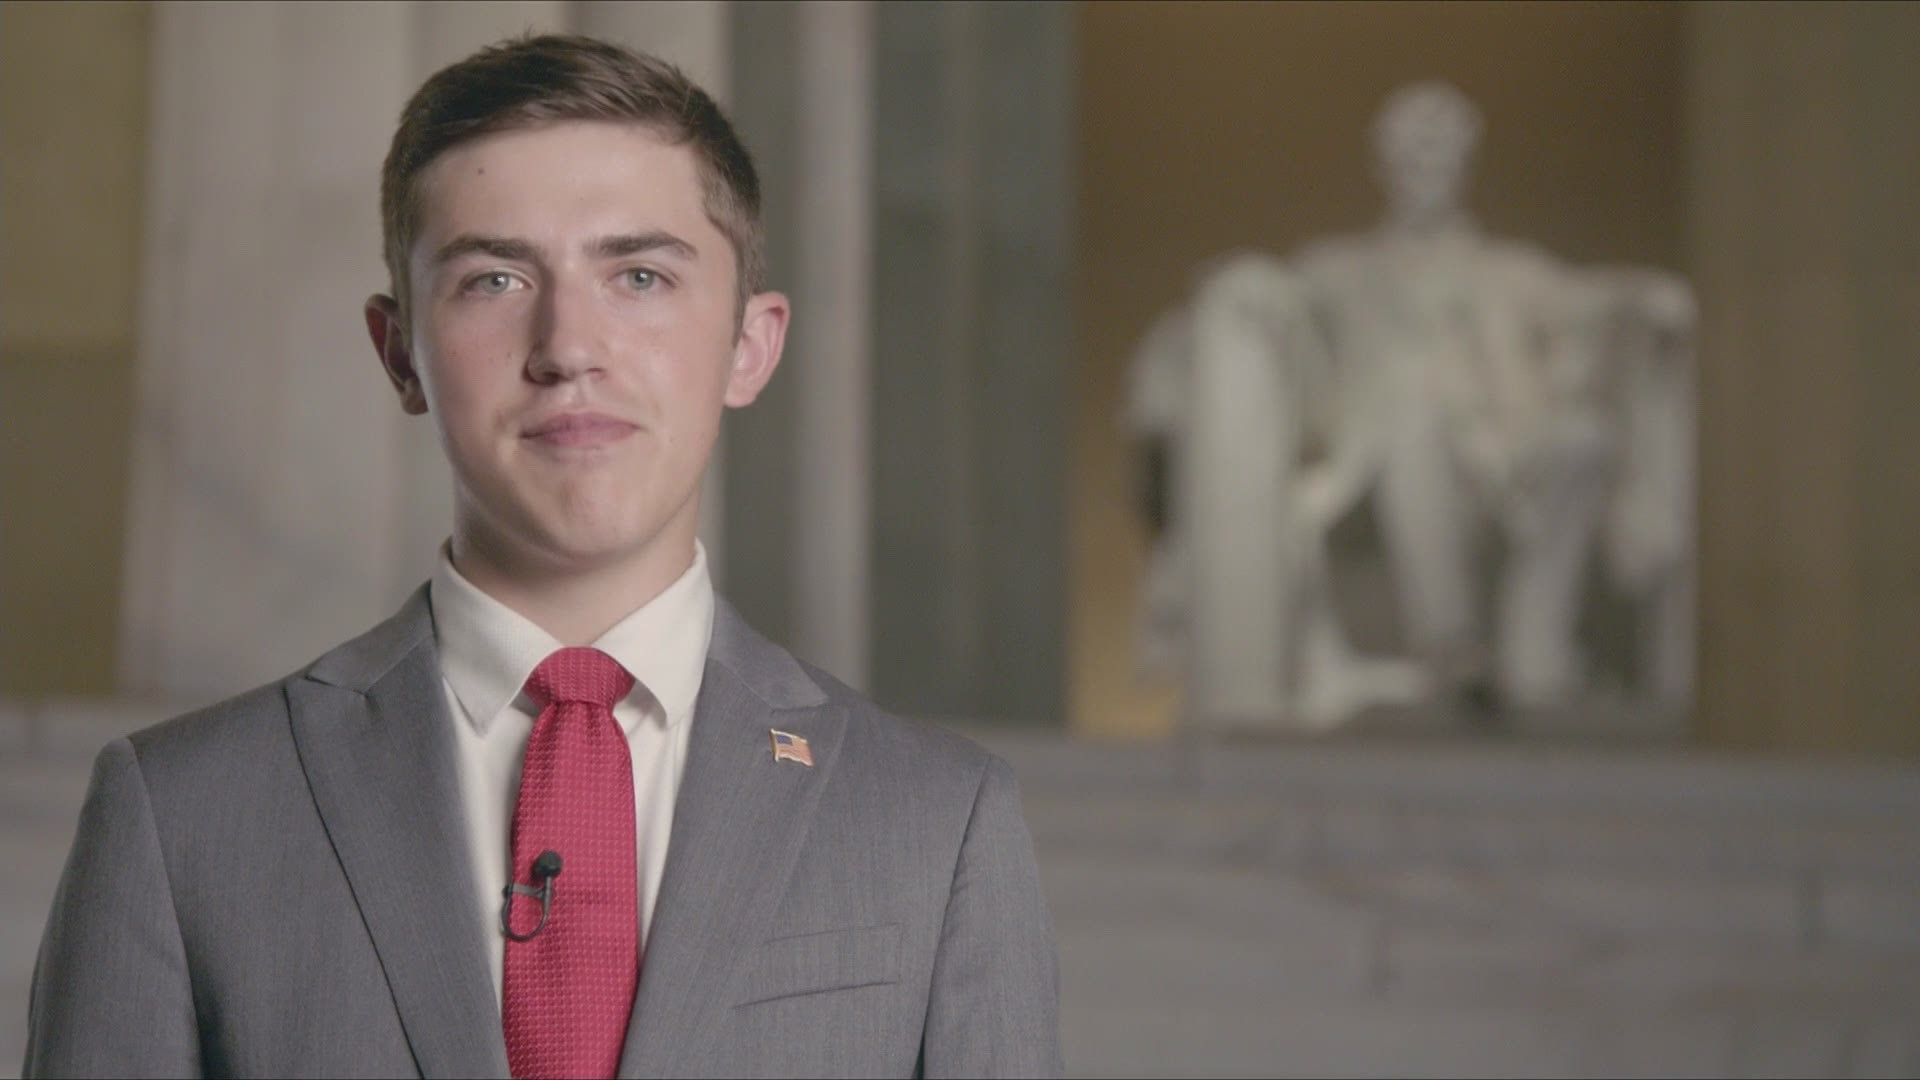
<point x="578" y="429"/>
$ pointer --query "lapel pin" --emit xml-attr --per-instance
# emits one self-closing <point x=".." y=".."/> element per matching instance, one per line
<point x="790" y="747"/>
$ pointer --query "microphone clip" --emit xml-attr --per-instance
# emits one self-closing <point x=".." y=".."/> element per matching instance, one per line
<point x="546" y="867"/>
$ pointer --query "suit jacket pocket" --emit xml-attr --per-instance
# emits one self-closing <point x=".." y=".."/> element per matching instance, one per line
<point x="817" y="963"/>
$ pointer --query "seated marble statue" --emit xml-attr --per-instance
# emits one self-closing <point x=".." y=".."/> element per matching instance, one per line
<point x="1471" y="388"/>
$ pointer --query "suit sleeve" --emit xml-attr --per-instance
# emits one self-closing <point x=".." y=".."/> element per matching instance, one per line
<point x="111" y="995"/>
<point x="994" y="1009"/>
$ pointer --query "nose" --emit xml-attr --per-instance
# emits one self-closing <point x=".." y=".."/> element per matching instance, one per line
<point x="567" y="340"/>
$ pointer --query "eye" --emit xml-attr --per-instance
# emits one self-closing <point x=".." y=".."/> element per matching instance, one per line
<point x="641" y="279"/>
<point x="491" y="283"/>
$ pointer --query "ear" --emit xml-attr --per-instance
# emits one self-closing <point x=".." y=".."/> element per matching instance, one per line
<point x="389" y="332"/>
<point x="756" y="350"/>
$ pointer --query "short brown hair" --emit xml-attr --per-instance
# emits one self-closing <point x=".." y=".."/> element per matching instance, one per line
<point x="534" y="81"/>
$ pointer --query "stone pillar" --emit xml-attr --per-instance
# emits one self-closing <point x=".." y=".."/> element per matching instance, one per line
<point x="264" y="448"/>
<point x="973" y="198"/>
<point x="280" y="500"/>
<point x="759" y="488"/>
<point x="831" y="333"/>
<point x="1803" y="137"/>
<point x="1235" y="470"/>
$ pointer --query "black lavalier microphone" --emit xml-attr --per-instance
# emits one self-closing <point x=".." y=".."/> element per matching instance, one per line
<point x="546" y="867"/>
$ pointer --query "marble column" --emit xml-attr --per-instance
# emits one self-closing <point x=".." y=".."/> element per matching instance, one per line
<point x="1237" y="466"/>
<point x="759" y="488"/>
<point x="831" y="292"/>
<point x="974" y="208"/>
<point x="280" y="500"/>
<point x="265" y="448"/>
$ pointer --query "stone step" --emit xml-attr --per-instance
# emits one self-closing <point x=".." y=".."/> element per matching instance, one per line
<point x="1129" y="937"/>
<point x="1258" y="831"/>
<point x="1459" y="773"/>
<point x="1248" y="1036"/>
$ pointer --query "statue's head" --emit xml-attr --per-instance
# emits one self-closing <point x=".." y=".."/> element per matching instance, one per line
<point x="1423" y="143"/>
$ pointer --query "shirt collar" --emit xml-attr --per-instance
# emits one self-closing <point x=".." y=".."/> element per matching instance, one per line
<point x="488" y="650"/>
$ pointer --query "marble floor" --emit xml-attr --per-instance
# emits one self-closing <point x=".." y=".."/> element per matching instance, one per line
<point x="1376" y="907"/>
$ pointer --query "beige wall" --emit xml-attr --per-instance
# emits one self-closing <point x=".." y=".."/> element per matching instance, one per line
<point x="73" y="118"/>
<point x="1206" y="127"/>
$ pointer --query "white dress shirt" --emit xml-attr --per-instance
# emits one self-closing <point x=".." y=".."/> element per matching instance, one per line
<point x="487" y="653"/>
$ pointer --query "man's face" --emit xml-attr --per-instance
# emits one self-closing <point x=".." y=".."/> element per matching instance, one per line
<point x="573" y="333"/>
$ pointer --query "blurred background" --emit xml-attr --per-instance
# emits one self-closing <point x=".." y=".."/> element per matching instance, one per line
<point x="980" y="211"/>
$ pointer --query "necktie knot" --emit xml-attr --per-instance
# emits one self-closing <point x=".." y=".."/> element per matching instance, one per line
<point x="579" y="674"/>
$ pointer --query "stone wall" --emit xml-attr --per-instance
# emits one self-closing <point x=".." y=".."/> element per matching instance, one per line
<point x="73" y="113"/>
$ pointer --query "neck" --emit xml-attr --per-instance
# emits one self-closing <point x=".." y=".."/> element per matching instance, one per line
<point x="577" y="601"/>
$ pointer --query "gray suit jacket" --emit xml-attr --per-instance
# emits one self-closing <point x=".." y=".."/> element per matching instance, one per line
<point x="278" y="885"/>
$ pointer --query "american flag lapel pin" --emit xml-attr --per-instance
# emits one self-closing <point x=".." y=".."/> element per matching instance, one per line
<point x="790" y="747"/>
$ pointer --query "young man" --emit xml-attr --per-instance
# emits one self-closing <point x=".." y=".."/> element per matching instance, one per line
<point x="564" y="814"/>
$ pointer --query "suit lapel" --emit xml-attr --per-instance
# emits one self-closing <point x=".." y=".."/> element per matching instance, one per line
<point x="374" y="737"/>
<point x="737" y="828"/>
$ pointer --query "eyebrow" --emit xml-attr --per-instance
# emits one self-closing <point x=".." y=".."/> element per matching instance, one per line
<point x="498" y="247"/>
<point x="606" y="247"/>
<point x="616" y="247"/>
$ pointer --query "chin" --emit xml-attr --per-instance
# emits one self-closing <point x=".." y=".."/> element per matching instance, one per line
<point x="583" y="525"/>
<point x="595" y="520"/>
<point x="598" y="546"/>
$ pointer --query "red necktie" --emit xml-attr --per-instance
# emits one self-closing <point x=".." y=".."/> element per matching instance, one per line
<point x="568" y="990"/>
